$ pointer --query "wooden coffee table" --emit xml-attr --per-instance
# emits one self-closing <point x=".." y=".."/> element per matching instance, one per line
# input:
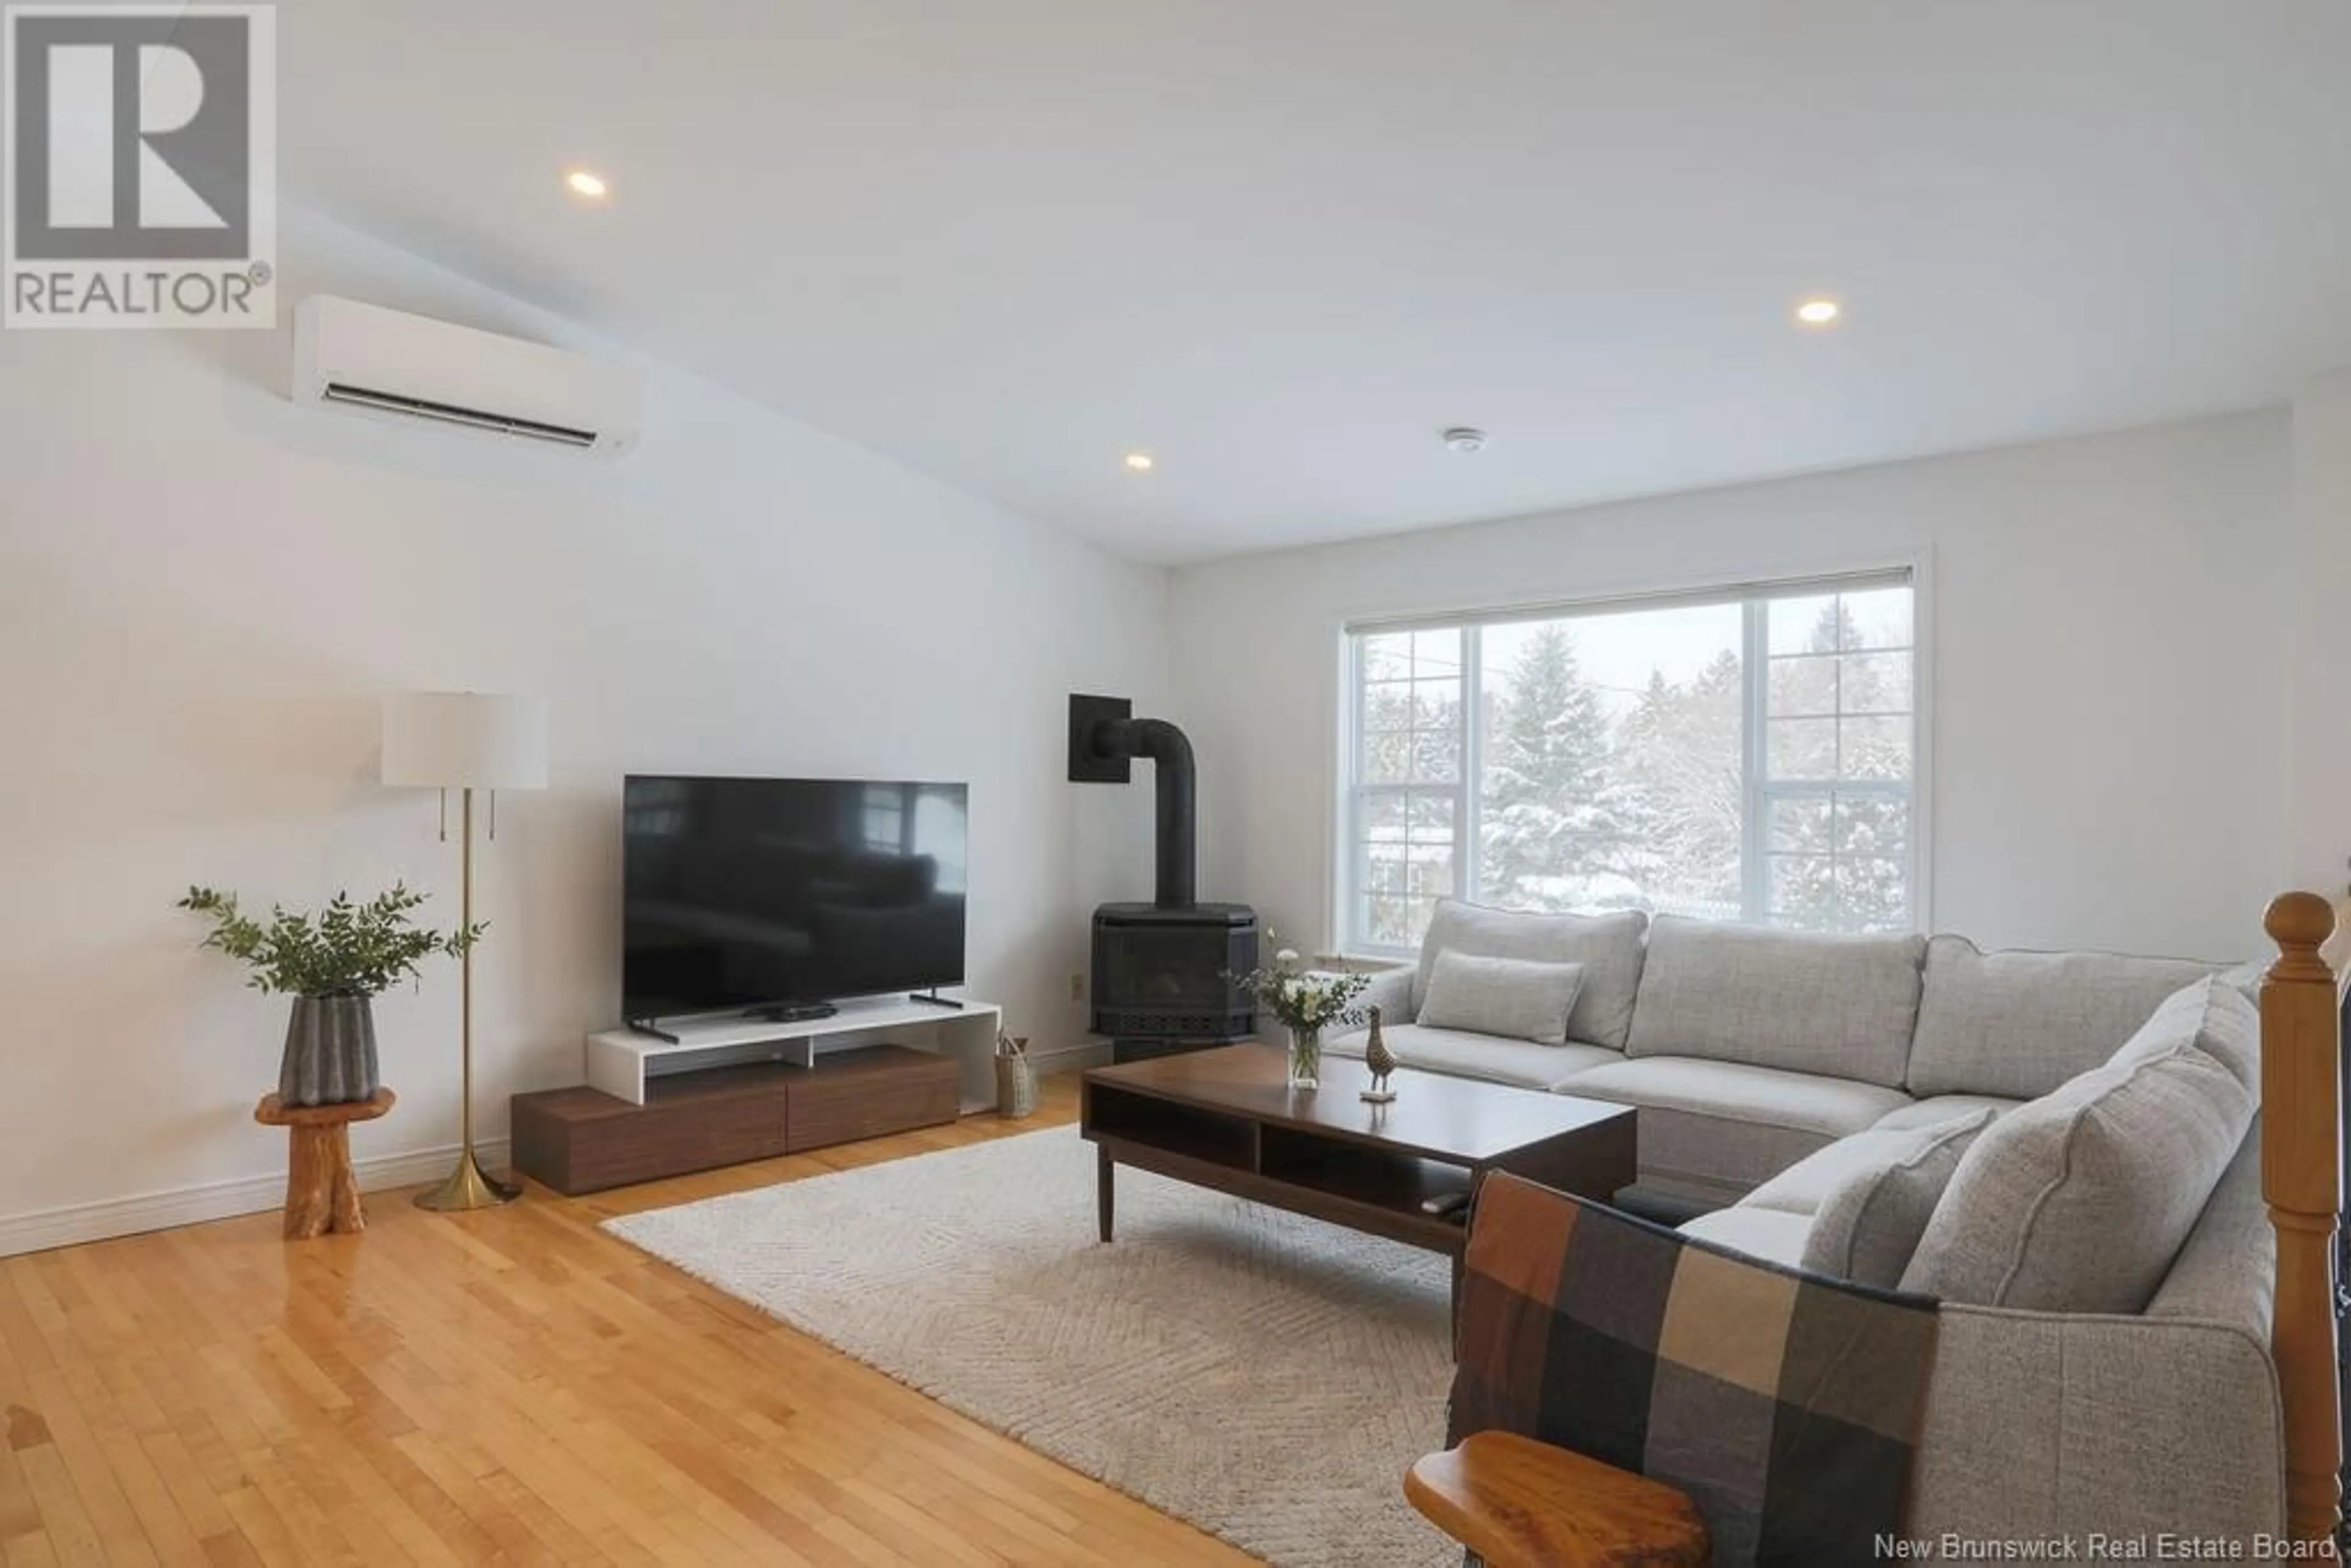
<point x="1227" y="1119"/>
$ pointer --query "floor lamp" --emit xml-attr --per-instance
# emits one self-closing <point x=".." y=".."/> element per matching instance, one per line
<point x="465" y="741"/>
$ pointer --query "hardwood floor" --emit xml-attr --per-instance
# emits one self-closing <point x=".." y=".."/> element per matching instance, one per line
<point x="512" y="1385"/>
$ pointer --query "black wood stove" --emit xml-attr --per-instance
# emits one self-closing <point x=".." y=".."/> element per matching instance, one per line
<point x="1160" y="969"/>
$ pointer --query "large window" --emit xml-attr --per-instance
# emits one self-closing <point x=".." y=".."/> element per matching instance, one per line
<point x="1748" y="757"/>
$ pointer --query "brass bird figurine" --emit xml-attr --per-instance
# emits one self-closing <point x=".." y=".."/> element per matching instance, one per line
<point x="1381" y="1061"/>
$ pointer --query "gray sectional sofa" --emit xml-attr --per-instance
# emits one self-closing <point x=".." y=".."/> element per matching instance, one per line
<point x="2063" y="1147"/>
<point x="1748" y="1049"/>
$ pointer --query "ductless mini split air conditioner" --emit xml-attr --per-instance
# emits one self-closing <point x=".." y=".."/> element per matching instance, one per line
<point x="391" y="365"/>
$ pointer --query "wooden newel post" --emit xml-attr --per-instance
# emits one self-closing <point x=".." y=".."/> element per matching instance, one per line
<point x="2301" y="1181"/>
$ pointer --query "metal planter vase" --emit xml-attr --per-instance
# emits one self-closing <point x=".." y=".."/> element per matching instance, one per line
<point x="331" y="1056"/>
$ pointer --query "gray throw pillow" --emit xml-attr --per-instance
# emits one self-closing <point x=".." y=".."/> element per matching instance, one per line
<point x="1517" y="999"/>
<point x="2078" y="1202"/>
<point x="1607" y="945"/>
<point x="1867" y="1228"/>
<point x="2228" y="1034"/>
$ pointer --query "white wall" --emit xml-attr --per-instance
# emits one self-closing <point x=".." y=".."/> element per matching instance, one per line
<point x="2108" y="632"/>
<point x="204" y="590"/>
<point x="2322" y="596"/>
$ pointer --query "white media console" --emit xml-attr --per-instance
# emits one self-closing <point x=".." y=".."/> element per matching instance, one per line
<point x="622" y="1062"/>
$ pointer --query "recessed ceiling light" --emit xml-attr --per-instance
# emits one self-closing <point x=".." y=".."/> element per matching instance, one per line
<point x="584" y="182"/>
<point x="1819" y="312"/>
<point x="1140" y="463"/>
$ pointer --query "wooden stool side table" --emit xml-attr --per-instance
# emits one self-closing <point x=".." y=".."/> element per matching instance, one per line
<point x="322" y="1195"/>
<point x="1517" y="1503"/>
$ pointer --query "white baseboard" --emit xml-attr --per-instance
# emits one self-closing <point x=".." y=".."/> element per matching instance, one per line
<point x="1072" y="1058"/>
<point x="215" y="1201"/>
<point x="115" y="1216"/>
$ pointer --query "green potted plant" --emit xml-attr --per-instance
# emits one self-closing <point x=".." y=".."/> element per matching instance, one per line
<point x="332" y="964"/>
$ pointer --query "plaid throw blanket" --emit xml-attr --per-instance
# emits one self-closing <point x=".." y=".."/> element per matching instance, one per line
<point x="1785" y="1404"/>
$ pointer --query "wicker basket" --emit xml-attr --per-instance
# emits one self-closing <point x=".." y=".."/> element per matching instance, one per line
<point x="1016" y="1079"/>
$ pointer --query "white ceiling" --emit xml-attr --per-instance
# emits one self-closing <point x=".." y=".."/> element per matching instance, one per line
<point x="1280" y="244"/>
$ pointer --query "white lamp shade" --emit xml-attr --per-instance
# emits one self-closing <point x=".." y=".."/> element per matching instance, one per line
<point x="463" y="740"/>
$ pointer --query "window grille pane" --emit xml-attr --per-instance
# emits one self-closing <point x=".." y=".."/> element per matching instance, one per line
<point x="1874" y="682"/>
<point x="1803" y="684"/>
<point x="1804" y="893"/>
<point x="1393" y="921"/>
<point x="1879" y="618"/>
<point x="1872" y="894"/>
<point x="1868" y="825"/>
<point x="1874" y="748"/>
<point x="1387" y="705"/>
<point x="1801" y="748"/>
<point x="1802" y="825"/>
<point x="1387" y="757"/>
<point x="1437" y="653"/>
<point x="1795" y="623"/>
<point x="1429" y="869"/>
<point x="1397" y="921"/>
<point x="1432" y="818"/>
<point x="1387" y="658"/>
<point x="1436" y="756"/>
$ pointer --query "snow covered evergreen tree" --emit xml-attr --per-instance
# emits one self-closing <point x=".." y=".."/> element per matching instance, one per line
<point x="1552" y="835"/>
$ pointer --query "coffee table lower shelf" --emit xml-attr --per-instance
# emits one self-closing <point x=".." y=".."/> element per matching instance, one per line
<point x="1377" y="1215"/>
<point x="1226" y="1120"/>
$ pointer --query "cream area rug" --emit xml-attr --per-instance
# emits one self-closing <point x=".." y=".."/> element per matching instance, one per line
<point x="1264" y="1376"/>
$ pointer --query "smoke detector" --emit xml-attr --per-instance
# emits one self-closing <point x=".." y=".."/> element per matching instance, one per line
<point x="1465" y="438"/>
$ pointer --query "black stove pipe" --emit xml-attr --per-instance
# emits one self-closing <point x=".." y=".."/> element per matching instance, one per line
<point x="1177" y="802"/>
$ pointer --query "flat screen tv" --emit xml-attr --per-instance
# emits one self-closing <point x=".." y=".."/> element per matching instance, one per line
<point x="753" y="895"/>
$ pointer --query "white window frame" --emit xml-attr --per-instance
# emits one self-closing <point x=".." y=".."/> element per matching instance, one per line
<point x="1916" y="571"/>
<point x="1354" y="796"/>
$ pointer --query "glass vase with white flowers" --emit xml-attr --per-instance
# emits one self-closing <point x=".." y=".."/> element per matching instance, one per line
<point x="1306" y="1001"/>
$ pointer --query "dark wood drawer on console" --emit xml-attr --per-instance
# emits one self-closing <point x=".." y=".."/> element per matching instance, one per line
<point x="865" y="1094"/>
<point x="583" y="1140"/>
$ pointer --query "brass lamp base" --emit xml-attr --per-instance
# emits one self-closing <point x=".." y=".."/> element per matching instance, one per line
<point x="467" y="1187"/>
